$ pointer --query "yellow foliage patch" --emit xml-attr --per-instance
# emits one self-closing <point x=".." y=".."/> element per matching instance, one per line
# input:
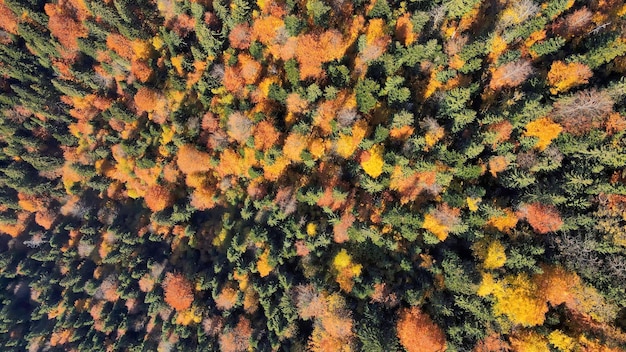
<point x="433" y="225"/>
<point x="177" y="62"/>
<point x="373" y="166"/>
<point x="561" y="341"/>
<point x="545" y="130"/>
<point x="141" y="49"/>
<point x="505" y="222"/>
<point x="263" y="265"/>
<point x="496" y="257"/>
<point x="529" y="341"/>
<point x="375" y="30"/>
<point x="311" y="229"/>
<point x="274" y="171"/>
<point x="517" y="297"/>
<point x="564" y="76"/>
<point x="189" y="316"/>
<point x="346" y="145"/>
<point x="498" y="46"/>
<point x="342" y="260"/>
<point x="472" y="203"/>
<point x="433" y="137"/>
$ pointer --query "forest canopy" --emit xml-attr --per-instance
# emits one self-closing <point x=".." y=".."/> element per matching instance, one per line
<point x="313" y="175"/>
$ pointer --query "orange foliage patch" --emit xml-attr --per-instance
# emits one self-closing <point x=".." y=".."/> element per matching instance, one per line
<point x="541" y="217"/>
<point x="503" y="130"/>
<point x="109" y="289"/>
<point x="62" y="26"/>
<point x="265" y="29"/>
<point x="141" y="70"/>
<point x="231" y="163"/>
<point x="418" y="333"/>
<point x="158" y="198"/>
<point x="404" y="30"/>
<point x="8" y="20"/>
<point x="294" y="146"/>
<point x="411" y="186"/>
<point x="121" y="45"/>
<point x="149" y="100"/>
<point x="202" y="199"/>
<point x="296" y="104"/>
<point x="340" y="229"/>
<point x="60" y="337"/>
<point x="327" y="47"/>
<point x="45" y="219"/>
<point x="178" y="291"/>
<point x="492" y="343"/>
<point x="497" y="164"/>
<point x="265" y="135"/>
<point x="191" y="160"/>
<point x="233" y="81"/>
<point x="615" y="123"/>
<point x="250" y="69"/>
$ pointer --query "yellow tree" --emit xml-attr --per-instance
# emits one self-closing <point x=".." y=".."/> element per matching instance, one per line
<point x="562" y="77"/>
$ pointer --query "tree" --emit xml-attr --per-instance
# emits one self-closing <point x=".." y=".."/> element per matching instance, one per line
<point x="583" y="111"/>
<point x="542" y="218"/>
<point x="265" y="135"/>
<point x="240" y="128"/>
<point x="418" y="333"/>
<point x="240" y="37"/>
<point x="562" y="77"/>
<point x="545" y="130"/>
<point x="178" y="291"/>
<point x="190" y="160"/>
<point x="149" y="100"/>
<point x="65" y="28"/>
<point x="8" y="20"/>
<point x="158" y="198"/>
<point x="237" y="339"/>
<point x="510" y="75"/>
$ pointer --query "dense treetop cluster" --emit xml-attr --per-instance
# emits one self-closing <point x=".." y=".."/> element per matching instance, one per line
<point x="313" y="175"/>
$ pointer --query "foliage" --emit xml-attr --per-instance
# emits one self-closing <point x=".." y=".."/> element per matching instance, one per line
<point x="177" y="290"/>
<point x="417" y="332"/>
<point x="313" y="175"/>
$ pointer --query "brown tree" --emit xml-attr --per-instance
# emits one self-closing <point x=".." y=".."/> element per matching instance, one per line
<point x="237" y="339"/>
<point x="240" y="37"/>
<point x="511" y="74"/>
<point x="583" y="111"/>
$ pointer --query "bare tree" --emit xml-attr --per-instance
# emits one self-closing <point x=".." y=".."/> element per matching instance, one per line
<point x="583" y="111"/>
